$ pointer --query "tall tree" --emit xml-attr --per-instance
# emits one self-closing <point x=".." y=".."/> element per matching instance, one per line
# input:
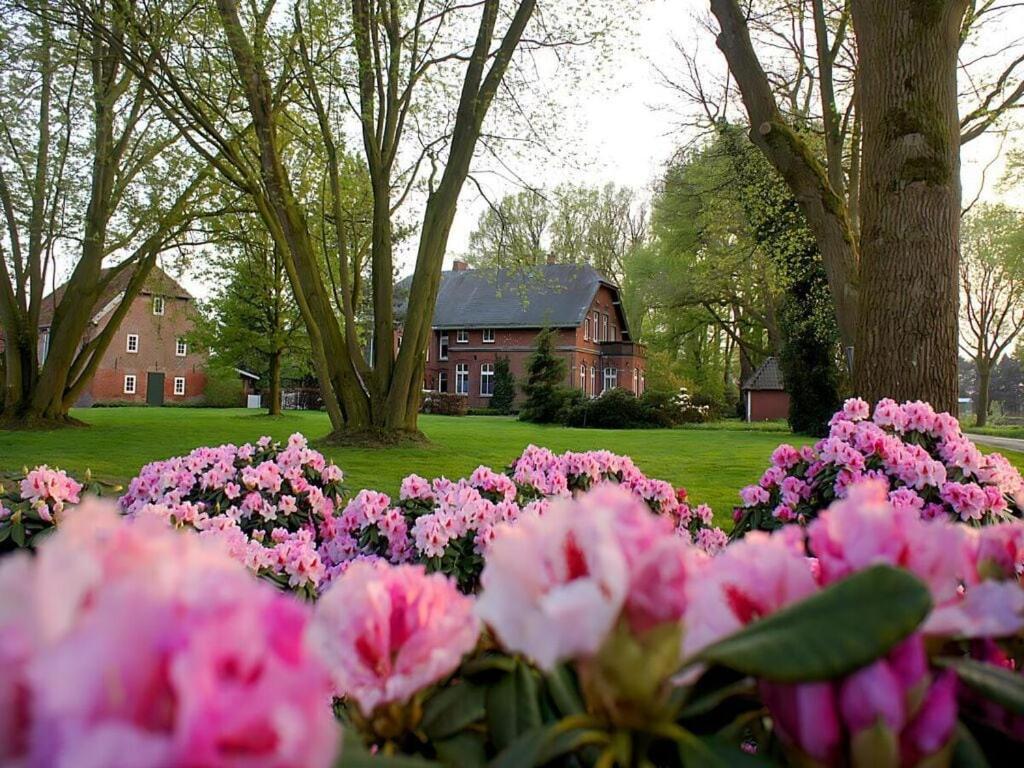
<point x="396" y="65"/>
<point x="81" y="172"/>
<point x="992" y="291"/>
<point x="886" y="222"/>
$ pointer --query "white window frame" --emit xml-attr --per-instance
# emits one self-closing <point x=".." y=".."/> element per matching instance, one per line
<point x="128" y="343"/>
<point x="462" y="378"/>
<point x="593" y="381"/>
<point x="636" y="381"/>
<point x="180" y="348"/>
<point x="610" y="375"/>
<point x="486" y="375"/>
<point x="604" y="327"/>
<point x="158" y="305"/>
<point x="586" y="329"/>
<point x="442" y="346"/>
<point x="179" y="380"/>
<point x="487" y="336"/>
<point x="462" y="336"/>
<point x="583" y="378"/>
<point x="132" y="380"/>
<point x="596" y="335"/>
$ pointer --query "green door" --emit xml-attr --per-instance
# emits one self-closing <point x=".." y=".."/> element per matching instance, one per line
<point x="154" y="388"/>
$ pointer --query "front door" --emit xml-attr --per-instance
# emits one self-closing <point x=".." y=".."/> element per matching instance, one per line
<point x="154" y="389"/>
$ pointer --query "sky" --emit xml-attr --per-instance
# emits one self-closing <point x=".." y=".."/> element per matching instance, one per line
<point x="623" y="125"/>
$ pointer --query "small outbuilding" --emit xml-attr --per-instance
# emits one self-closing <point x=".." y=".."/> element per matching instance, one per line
<point x="764" y="393"/>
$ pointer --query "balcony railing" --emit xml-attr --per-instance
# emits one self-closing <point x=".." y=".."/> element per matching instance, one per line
<point x="622" y="349"/>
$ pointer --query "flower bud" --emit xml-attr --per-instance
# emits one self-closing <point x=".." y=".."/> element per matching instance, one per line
<point x="807" y="720"/>
<point x="931" y="731"/>
<point x="871" y="702"/>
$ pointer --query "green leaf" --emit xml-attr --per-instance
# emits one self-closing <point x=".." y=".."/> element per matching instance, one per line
<point x="541" y="745"/>
<point x="18" y="533"/>
<point x="5" y="531"/>
<point x="966" y="752"/>
<point x="452" y="709"/>
<point x="489" y="662"/>
<point x="708" y="752"/>
<point x="995" y="683"/>
<point x="463" y="750"/>
<point x="512" y="706"/>
<point x="562" y="688"/>
<point x="831" y="633"/>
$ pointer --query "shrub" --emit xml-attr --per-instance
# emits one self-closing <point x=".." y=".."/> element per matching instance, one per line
<point x="447" y="525"/>
<point x="444" y="404"/>
<point x="612" y="409"/>
<point x="223" y="389"/>
<point x="929" y="468"/>
<point x="271" y="504"/>
<point x="544" y="388"/>
<point x="504" y="387"/>
<point x="33" y="502"/>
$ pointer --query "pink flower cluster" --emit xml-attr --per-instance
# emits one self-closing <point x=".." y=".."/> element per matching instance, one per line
<point x="555" y="587"/>
<point x="271" y="504"/>
<point x="48" y="491"/>
<point x="125" y="643"/>
<point x="448" y="525"/>
<point x="388" y="632"/>
<point x="922" y="457"/>
<point x="974" y="578"/>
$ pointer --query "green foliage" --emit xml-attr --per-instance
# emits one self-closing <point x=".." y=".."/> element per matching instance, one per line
<point x="504" y="387"/>
<point x="845" y="626"/>
<point x="621" y="409"/>
<point x="223" y="388"/>
<point x="544" y="386"/>
<point x="1002" y="686"/>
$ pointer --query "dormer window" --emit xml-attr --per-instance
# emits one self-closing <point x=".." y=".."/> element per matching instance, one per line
<point x="158" y="305"/>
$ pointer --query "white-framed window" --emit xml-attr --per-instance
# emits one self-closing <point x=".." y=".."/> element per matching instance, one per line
<point x="614" y="333"/>
<point x="462" y="336"/>
<point x="583" y="378"/>
<point x="636" y="381"/>
<point x="158" y="305"/>
<point x="611" y="378"/>
<point x="604" y="327"/>
<point x="133" y="343"/>
<point x="180" y="348"/>
<point x="129" y="384"/>
<point x="442" y="381"/>
<point x="586" y="329"/>
<point x="442" y="346"/>
<point x="462" y="379"/>
<point x="486" y="379"/>
<point x="488" y="335"/>
<point x="179" y="385"/>
<point x="593" y="381"/>
<point x="643" y="383"/>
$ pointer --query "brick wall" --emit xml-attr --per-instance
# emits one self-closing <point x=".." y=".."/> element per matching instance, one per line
<point x="157" y="352"/>
<point x="766" y="405"/>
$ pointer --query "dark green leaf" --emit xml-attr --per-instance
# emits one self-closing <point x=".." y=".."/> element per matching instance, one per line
<point x="708" y="752"/>
<point x="489" y="663"/>
<point x="512" y="706"/>
<point x="5" y="531"/>
<point x="541" y="745"/>
<point x="463" y="750"/>
<point x="18" y="533"/>
<point x="562" y="687"/>
<point x="452" y="709"/>
<point x="831" y="633"/>
<point x="995" y="683"/>
<point x="966" y="752"/>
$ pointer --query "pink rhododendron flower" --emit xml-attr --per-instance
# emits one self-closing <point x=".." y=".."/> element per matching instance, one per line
<point x="553" y="586"/>
<point x="387" y="632"/>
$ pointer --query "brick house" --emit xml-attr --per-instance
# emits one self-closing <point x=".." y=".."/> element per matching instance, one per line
<point x="481" y="315"/>
<point x="148" y="361"/>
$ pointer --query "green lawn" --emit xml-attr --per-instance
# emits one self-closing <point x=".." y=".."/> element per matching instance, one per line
<point x="712" y="463"/>
<point x="997" y="430"/>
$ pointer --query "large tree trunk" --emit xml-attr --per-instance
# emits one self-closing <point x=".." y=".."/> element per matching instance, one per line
<point x="910" y="200"/>
<point x="274" y="406"/>
<point x="984" y="386"/>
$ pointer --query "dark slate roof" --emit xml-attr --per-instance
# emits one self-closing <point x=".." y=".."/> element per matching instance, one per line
<point x="548" y="295"/>
<point x="158" y="283"/>
<point x="767" y="376"/>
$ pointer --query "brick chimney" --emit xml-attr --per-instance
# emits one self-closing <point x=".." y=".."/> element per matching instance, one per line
<point x="459" y="265"/>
